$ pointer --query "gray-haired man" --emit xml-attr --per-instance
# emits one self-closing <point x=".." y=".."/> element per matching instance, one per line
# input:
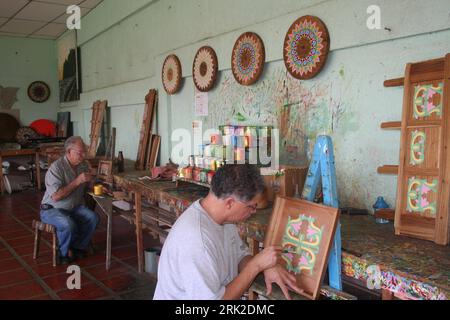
<point x="63" y="202"/>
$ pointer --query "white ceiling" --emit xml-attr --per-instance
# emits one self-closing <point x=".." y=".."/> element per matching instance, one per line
<point x="38" y="18"/>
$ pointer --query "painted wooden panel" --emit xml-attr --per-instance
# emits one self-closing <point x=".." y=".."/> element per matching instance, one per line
<point x="305" y="231"/>
<point x="423" y="145"/>
<point x="423" y="192"/>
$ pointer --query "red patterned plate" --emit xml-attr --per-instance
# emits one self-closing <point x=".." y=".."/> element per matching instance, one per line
<point x="306" y="47"/>
<point x="247" y="59"/>
<point x="38" y="91"/>
<point x="204" y="68"/>
<point x="171" y="74"/>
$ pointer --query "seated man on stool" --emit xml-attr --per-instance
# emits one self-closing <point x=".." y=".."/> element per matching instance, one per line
<point x="63" y="202"/>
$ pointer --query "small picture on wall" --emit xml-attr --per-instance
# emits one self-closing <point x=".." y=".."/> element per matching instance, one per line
<point x="69" y="71"/>
<point x="105" y="170"/>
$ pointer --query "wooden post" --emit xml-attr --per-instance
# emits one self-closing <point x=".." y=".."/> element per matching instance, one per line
<point x="108" y="239"/>
<point x="1" y="175"/>
<point x="138" y="223"/>
<point x="36" y="242"/>
<point x="38" y="170"/>
<point x="54" y="247"/>
<point x="386" y="294"/>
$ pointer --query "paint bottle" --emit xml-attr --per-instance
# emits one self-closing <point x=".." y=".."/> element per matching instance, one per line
<point x="120" y="162"/>
<point x="380" y="204"/>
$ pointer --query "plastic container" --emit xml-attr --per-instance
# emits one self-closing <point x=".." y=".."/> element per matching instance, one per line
<point x="151" y="260"/>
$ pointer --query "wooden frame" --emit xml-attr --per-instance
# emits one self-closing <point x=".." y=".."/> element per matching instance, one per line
<point x="151" y="100"/>
<point x="98" y="112"/>
<point x="305" y="231"/>
<point x="153" y="152"/>
<point x="422" y="208"/>
<point x="104" y="172"/>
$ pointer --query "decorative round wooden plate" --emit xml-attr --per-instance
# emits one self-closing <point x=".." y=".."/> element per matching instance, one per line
<point x="38" y="91"/>
<point x="247" y="58"/>
<point x="204" y="68"/>
<point x="306" y="47"/>
<point x="171" y="74"/>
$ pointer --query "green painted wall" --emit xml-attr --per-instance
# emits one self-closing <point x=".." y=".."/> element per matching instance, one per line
<point x="22" y="61"/>
<point x="124" y="44"/>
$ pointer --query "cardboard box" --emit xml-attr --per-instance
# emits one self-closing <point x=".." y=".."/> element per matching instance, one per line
<point x="283" y="182"/>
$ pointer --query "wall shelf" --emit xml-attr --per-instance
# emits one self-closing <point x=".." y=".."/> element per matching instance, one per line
<point x="203" y="184"/>
<point x="391" y="125"/>
<point x="388" y="169"/>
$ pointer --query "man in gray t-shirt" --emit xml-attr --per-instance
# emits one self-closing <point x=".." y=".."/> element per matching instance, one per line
<point x="63" y="201"/>
<point x="203" y="256"/>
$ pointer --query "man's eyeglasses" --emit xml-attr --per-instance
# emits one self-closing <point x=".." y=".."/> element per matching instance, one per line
<point x="252" y="207"/>
<point x="80" y="153"/>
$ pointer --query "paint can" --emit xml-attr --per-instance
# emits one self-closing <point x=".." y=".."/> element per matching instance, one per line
<point x="239" y="131"/>
<point x="204" y="176"/>
<point x="251" y="141"/>
<point x="229" y="153"/>
<point x="198" y="162"/>
<point x="213" y="164"/>
<point x="218" y="152"/>
<point x="98" y="190"/>
<point x="216" y="138"/>
<point x="251" y="155"/>
<point x="251" y="131"/>
<point x="240" y="154"/>
<point x="208" y="151"/>
<point x="238" y="141"/>
<point x="228" y="130"/>
<point x="264" y="132"/>
<point x="210" y="176"/>
<point x="196" y="174"/>
<point x="201" y="149"/>
<point x="227" y="140"/>
<point x="188" y="172"/>
<point x="191" y="161"/>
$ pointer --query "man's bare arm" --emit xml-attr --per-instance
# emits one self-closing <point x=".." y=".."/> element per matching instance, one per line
<point x="249" y="268"/>
<point x="65" y="191"/>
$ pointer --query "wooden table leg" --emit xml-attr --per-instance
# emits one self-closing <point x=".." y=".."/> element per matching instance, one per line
<point x="252" y="295"/>
<point x="386" y="294"/>
<point x="138" y="223"/>
<point x="1" y="175"/>
<point x="254" y="247"/>
<point x="38" y="171"/>
<point x="108" y="240"/>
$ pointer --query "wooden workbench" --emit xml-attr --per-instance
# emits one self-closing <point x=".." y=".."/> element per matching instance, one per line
<point x="149" y="196"/>
<point x="410" y="268"/>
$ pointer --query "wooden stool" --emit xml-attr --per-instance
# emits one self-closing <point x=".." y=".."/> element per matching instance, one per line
<point x="39" y="226"/>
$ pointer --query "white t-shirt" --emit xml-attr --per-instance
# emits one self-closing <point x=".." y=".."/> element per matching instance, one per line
<point x="199" y="258"/>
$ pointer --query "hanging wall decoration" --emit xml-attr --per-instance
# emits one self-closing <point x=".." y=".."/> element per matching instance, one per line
<point x="306" y="47"/>
<point x="69" y="67"/>
<point x="247" y="59"/>
<point x="204" y="68"/>
<point x="171" y="74"/>
<point x="38" y="91"/>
